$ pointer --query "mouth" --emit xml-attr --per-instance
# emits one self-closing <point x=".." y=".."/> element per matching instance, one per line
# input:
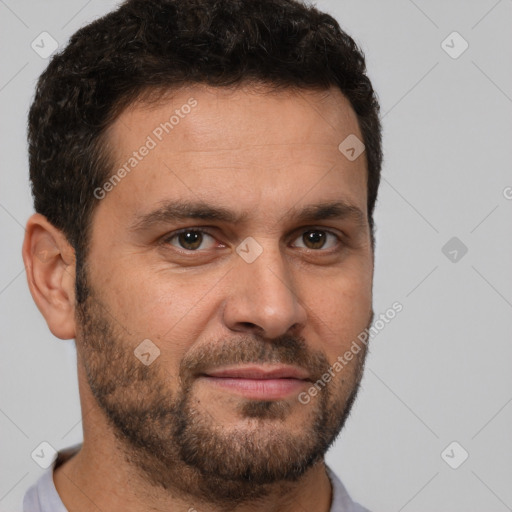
<point x="258" y="382"/>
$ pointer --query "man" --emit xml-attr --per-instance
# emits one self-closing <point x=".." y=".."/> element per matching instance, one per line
<point x="204" y="175"/>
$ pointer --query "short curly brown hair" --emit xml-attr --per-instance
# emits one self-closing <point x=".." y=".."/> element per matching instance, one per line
<point x="161" y="44"/>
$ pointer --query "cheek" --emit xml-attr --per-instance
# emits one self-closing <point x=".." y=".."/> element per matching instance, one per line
<point x="341" y="312"/>
<point x="167" y="308"/>
<point x="339" y="309"/>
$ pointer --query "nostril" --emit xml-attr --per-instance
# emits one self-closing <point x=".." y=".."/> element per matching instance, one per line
<point x="251" y="326"/>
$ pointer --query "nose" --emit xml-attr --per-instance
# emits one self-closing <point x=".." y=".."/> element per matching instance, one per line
<point x="263" y="297"/>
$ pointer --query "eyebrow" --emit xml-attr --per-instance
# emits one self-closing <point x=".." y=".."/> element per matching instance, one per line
<point x="172" y="211"/>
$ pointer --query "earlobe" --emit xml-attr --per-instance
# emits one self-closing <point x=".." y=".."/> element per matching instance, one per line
<point x="50" y="267"/>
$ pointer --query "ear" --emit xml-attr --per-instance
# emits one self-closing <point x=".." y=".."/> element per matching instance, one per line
<point x="50" y="267"/>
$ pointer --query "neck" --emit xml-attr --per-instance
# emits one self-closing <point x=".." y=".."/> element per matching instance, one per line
<point x="90" y="479"/>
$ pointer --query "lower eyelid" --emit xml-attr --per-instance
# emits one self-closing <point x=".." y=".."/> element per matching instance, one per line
<point x="338" y="238"/>
<point x="166" y="240"/>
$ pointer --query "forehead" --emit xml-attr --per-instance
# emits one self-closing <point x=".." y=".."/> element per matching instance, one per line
<point x="232" y="114"/>
<point x="243" y="146"/>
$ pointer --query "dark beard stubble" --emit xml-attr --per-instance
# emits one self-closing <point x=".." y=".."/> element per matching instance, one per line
<point x="174" y="443"/>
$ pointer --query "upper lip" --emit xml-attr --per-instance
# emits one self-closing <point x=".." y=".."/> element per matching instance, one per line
<point x="260" y="372"/>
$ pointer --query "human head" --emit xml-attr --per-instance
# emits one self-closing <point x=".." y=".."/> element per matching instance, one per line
<point x="147" y="47"/>
<point x="243" y="61"/>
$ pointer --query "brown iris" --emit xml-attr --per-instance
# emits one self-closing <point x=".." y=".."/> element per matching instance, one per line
<point x="314" y="239"/>
<point x="190" y="239"/>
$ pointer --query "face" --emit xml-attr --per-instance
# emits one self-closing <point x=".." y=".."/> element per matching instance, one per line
<point x="236" y="245"/>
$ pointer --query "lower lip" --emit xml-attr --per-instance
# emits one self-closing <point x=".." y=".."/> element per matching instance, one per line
<point x="260" y="389"/>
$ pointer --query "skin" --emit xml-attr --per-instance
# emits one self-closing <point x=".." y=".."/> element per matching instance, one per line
<point x="265" y="155"/>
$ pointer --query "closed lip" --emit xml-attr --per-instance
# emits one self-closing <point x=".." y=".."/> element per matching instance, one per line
<point x="259" y="372"/>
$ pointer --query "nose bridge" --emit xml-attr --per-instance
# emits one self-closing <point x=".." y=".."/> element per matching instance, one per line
<point x="263" y="292"/>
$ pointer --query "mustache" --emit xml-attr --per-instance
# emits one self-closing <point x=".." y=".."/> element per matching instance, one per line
<point x="286" y="349"/>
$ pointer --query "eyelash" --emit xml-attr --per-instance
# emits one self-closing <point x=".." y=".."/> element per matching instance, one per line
<point x="166" y="240"/>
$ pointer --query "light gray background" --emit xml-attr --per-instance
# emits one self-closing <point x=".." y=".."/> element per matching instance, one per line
<point x="441" y="370"/>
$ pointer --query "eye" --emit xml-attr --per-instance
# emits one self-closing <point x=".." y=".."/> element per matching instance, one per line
<point x="316" y="239"/>
<point x="191" y="239"/>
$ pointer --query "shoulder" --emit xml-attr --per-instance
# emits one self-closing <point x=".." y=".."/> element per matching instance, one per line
<point x="43" y="496"/>
<point x="341" y="501"/>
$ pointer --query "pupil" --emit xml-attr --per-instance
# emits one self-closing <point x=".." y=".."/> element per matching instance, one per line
<point x="190" y="238"/>
<point x="315" y="238"/>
